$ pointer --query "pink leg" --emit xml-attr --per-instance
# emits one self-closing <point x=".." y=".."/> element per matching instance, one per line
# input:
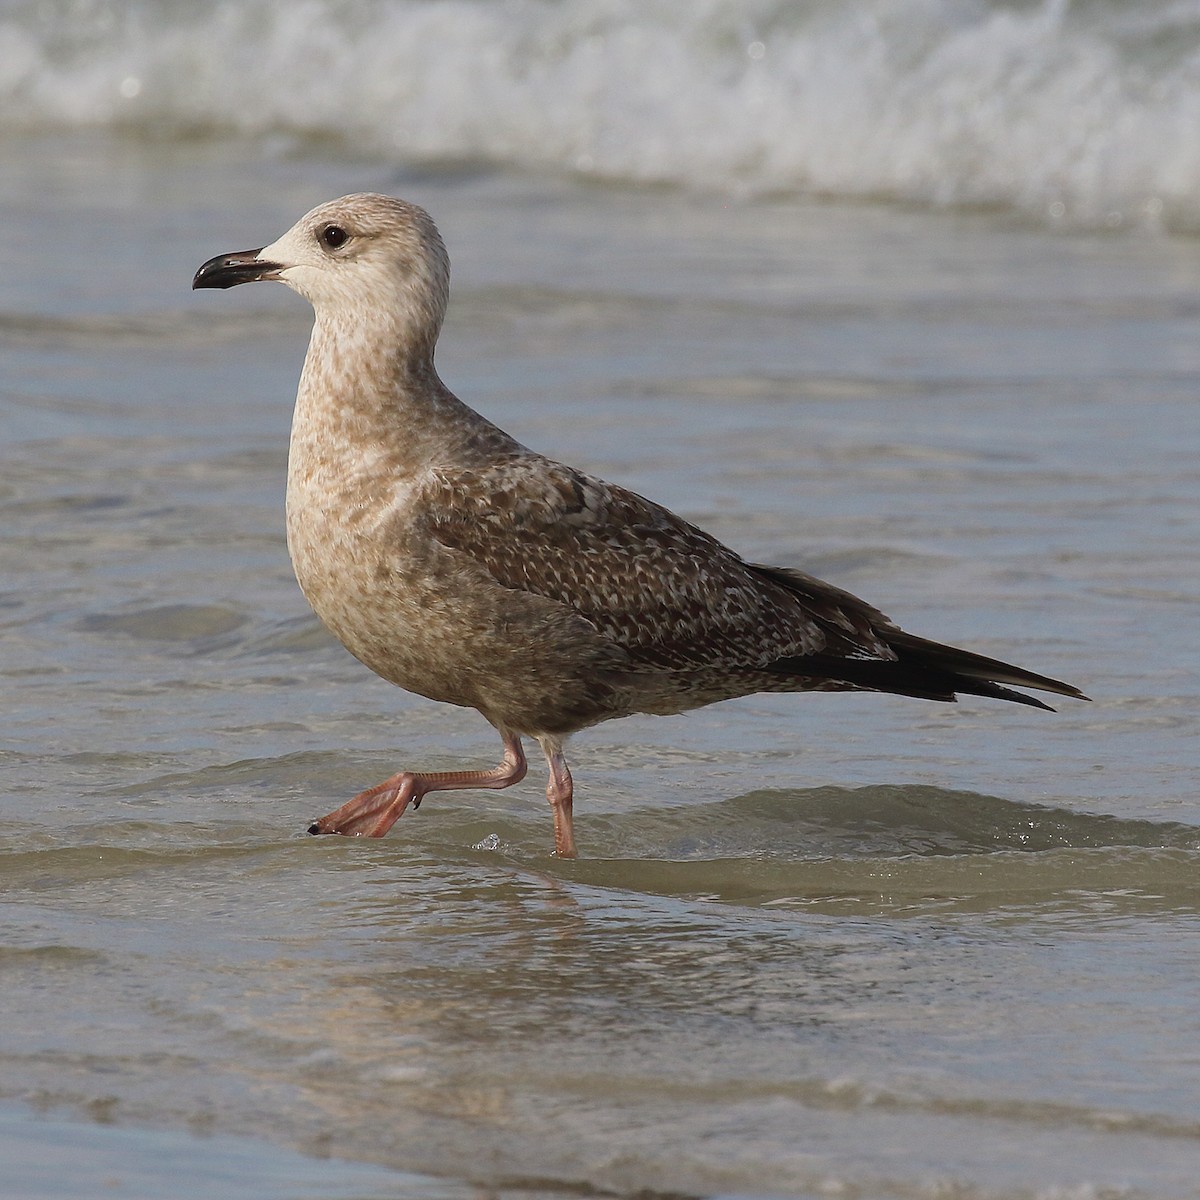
<point x="560" y="792"/>
<point x="373" y="812"/>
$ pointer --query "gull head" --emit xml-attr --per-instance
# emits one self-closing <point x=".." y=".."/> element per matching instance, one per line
<point x="359" y="255"/>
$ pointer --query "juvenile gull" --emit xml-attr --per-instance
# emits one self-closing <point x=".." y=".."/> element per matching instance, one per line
<point x="461" y="566"/>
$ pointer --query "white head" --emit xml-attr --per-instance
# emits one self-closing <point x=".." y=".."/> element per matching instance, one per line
<point x="366" y="256"/>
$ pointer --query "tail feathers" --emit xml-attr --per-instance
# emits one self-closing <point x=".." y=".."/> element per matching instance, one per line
<point x="976" y="666"/>
<point x="929" y="671"/>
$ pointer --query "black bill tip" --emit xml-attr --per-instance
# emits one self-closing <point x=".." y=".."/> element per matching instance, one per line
<point x="228" y="270"/>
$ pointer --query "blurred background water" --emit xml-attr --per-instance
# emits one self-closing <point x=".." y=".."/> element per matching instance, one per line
<point x="901" y="293"/>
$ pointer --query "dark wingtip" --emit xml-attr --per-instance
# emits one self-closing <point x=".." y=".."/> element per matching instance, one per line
<point x="228" y="270"/>
<point x="996" y="692"/>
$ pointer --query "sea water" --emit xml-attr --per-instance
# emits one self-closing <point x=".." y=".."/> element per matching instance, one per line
<point x="816" y="945"/>
<point x="1076" y="113"/>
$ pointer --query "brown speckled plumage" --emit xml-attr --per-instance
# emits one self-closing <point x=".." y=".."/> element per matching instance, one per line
<point x="459" y="565"/>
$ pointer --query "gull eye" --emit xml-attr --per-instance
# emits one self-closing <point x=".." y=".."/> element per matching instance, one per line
<point x="334" y="236"/>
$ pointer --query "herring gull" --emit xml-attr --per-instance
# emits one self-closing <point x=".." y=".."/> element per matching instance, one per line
<point x="459" y="565"/>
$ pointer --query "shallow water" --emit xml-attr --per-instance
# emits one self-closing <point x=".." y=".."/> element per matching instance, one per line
<point x="855" y="946"/>
<point x="47" y="1156"/>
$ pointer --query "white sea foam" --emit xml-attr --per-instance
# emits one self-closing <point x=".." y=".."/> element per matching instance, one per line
<point x="1080" y="114"/>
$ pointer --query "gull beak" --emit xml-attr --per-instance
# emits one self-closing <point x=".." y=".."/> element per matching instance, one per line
<point x="228" y="270"/>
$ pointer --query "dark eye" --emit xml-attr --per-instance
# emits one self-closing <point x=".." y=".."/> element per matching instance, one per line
<point x="334" y="236"/>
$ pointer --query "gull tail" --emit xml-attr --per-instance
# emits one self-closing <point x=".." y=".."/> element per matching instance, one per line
<point x="929" y="671"/>
<point x="921" y="668"/>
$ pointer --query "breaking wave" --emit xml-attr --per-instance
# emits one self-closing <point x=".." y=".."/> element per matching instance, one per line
<point x="1079" y="114"/>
